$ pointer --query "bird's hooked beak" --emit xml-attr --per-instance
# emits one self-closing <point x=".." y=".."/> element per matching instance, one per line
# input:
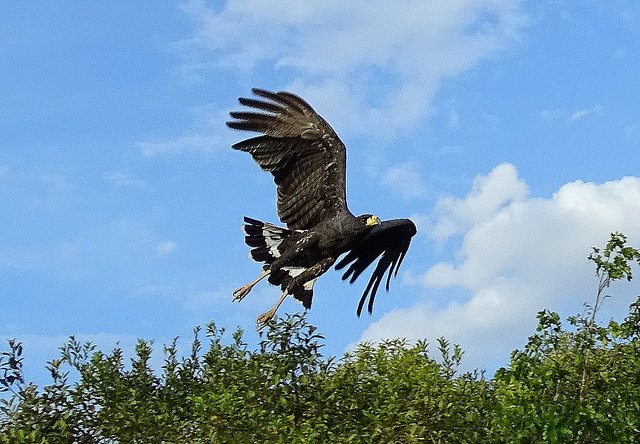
<point x="372" y="221"/>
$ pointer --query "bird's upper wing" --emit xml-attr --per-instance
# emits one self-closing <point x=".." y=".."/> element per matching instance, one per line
<point x="301" y="150"/>
<point x="390" y="241"/>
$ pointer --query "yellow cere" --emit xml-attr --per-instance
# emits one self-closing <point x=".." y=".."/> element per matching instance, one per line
<point x="373" y="220"/>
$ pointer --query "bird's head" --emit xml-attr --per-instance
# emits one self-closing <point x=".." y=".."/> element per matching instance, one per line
<point x="370" y="220"/>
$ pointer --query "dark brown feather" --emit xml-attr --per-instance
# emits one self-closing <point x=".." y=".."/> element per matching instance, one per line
<point x="284" y="98"/>
<point x="301" y="150"/>
<point x="389" y="242"/>
<point x="259" y="104"/>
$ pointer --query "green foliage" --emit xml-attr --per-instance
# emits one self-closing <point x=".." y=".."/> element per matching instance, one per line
<point x="618" y="266"/>
<point x="579" y="383"/>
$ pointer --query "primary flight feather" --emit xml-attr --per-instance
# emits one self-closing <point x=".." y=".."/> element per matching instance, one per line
<point x="308" y="164"/>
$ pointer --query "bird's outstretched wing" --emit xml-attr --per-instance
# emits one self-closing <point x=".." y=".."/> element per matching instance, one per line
<point x="390" y="241"/>
<point x="301" y="150"/>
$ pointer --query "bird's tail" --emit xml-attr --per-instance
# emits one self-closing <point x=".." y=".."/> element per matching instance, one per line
<point x="264" y="240"/>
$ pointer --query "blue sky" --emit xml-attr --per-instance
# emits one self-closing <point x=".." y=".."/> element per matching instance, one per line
<point x="508" y="130"/>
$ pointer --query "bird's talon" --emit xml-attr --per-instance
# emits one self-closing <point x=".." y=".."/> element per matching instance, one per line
<point x="264" y="319"/>
<point x="241" y="292"/>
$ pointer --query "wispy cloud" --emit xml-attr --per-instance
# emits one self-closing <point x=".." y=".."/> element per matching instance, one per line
<point x="196" y="143"/>
<point x="582" y="113"/>
<point x="405" y="180"/>
<point x="346" y="52"/>
<point x="138" y="239"/>
<point x="210" y="300"/>
<point x="62" y="258"/>
<point x="552" y="114"/>
<point x="165" y="248"/>
<point x="561" y="114"/>
<point x="449" y="150"/>
<point x="152" y="290"/>
<point x="55" y="181"/>
<point x="206" y="299"/>
<point x="452" y="115"/>
<point x="124" y="180"/>
<point x="205" y="137"/>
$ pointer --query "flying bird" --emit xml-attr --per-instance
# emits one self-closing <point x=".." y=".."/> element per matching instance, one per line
<point x="308" y="163"/>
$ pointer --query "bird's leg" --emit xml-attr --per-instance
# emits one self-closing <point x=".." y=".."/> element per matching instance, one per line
<point x="241" y="292"/>
<point x="308" y="276"/>
<point x="267" y="316"/>
<point x="312" y="272"/>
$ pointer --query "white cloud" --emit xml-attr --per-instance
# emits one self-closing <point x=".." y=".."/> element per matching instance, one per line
<point x="518" y="255"/>
<point x="345" y="52"/>
<point x="405" y="180"/>
<point x="489" y="193"/>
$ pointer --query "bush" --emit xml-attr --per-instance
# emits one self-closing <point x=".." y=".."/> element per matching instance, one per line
<point x="575" y="384"/>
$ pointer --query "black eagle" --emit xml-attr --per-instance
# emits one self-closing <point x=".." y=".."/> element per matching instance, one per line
<point x="308" y="163"/>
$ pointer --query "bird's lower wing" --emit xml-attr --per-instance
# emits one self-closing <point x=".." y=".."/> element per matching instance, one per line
<point x="388" y="241"/>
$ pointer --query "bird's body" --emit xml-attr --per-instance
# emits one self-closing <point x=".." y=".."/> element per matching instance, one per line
<point x="308" y="163"/>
